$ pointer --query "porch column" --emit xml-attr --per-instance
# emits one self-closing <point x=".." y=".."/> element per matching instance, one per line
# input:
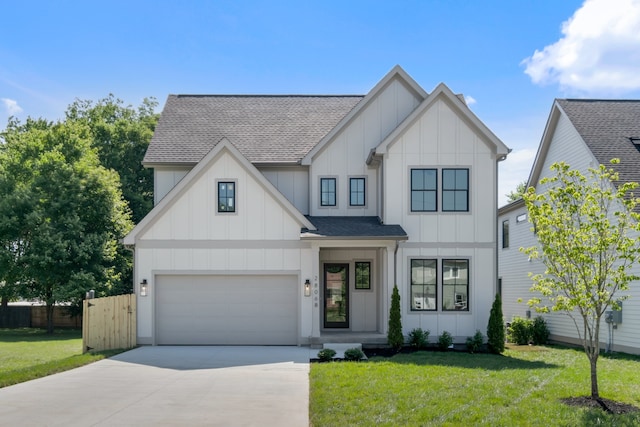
<point x="390" y="281"/>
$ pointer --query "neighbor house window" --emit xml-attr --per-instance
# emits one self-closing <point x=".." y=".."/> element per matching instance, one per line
<point x="455" y="190"/>
<point x="424" y="190"/>
<point x="521" y="218"/>
<point x="455" y="284"/>
<point x="226" y="196"/>
<point x="327" y="191"/>
<point x="505" y="234"/>
<point x="363" y="275"/>
<point x="424" y="282"/>
<point x="356" y="192"/>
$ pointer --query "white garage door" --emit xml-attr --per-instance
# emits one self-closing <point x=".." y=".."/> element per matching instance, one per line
<point x="226" y="310"/>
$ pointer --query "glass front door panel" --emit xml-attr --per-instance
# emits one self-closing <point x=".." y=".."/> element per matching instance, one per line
<point x="336" y="296"/>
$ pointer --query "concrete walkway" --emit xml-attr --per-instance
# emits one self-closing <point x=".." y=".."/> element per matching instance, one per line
<point x="170" y="386"/>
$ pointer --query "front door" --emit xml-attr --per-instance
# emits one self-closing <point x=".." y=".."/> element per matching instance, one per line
<point x="336" y="295"/>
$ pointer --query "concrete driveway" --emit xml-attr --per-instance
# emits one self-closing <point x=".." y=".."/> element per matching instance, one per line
<point x="170" y="386"/>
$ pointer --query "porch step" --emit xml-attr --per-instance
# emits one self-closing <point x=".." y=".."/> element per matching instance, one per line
<point x="341" y="347"/>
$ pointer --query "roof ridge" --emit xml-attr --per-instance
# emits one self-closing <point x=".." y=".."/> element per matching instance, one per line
<point x="263" y="96"/>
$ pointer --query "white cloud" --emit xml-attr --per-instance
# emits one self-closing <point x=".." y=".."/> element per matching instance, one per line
<point x="469" y="100"/>
<point x="513" y="171"/>
<point x="598" y="53"/>
<point x="11" y="106"/>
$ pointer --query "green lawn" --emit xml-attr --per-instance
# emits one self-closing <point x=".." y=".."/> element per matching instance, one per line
<point x="26" y="354"/>
<point x="522" y="387"/>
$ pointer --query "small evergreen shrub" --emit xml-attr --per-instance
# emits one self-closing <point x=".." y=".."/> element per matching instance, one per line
<point x="540" y="331"/>
<point x="519" y="332"/>
<point x="444" y="341"/>
<point x="475" y="343"/>
<point x="394" y="335"/>
<point x="419" y="338"/>
<point x="326" y="354"/>
<point x="353" y="354"/>
<point x="495" y="328"/>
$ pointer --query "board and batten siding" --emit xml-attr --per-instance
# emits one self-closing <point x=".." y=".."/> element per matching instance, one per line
<point x="345" y="156"/>
<point x="514" y="266"/>
<point x="441" y="138"/>
<point x="164" y="179"/>
<point x="191" y="238"/>
<point x="293" y="183"/>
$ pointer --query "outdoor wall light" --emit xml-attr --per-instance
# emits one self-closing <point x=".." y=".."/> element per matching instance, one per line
<point x="307" y="288"/>
<point x="143" y="288"/>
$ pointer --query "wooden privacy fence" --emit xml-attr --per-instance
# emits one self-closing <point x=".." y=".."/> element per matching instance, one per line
<point x="109" y="323"/>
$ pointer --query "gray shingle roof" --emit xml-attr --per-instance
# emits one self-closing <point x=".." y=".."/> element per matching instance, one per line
<point x="265" y="129"/>
<point x="607" y="126"/>
<point x="352" y="227"/>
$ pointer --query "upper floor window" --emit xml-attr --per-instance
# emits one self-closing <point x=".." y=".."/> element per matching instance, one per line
<point x="356" y="191"/>
<point x="455" y="190"/>
<point x="226" y="196"/>
<point x="505" y="234"/>
<point x="424" y="189"/>
<point x="327" y="191"/>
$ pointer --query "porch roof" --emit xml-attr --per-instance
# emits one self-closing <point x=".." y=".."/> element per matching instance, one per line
<point x="352" y="227"/>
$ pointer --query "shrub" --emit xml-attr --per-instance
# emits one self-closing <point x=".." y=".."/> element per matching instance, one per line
<point x="353" y="354"/>
<point x="540" y="331"/>
<point x="326" y="354"/>
<point x="519" y="331"/>
<point x="394" y="335"/>
<point x="445" y="340"/>
<point x="475" y="343"/>
<point x="495" y="328"/>
<point x="419" y="338"/>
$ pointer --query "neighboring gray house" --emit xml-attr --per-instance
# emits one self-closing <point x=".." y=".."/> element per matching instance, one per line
<point x="286" y="220"/>
<point x="583" y="133"/>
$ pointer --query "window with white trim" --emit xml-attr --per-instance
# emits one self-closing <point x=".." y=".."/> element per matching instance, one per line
<point x="424" y="284"/>
<point x="455" y="190"/>
<point x="455" y="285"/>
<point x="424" y="190"/>
<point x="327" y="192"/>
<point x="226" y="196"/>
<point x="357" y="192"/>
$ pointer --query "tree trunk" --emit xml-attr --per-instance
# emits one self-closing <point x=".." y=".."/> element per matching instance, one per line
<point x="49" y="319"/>
<point x="593" y="361"/>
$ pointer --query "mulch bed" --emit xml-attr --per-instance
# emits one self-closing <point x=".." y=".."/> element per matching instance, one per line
<point x="606" y="405"/>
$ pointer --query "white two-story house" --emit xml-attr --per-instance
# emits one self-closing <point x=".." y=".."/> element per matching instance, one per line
<point x="584" y="133"/>
<point x="287" y="220"/>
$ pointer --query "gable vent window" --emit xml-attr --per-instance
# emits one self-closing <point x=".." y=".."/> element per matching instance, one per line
<point x="635" y="140"/>
<point x="226" y="196"/>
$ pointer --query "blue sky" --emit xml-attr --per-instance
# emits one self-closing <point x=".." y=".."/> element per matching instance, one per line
<point x="510" y="58"/>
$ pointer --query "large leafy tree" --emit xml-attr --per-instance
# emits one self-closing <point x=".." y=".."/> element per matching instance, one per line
<point x="517" y="194"/>
<point x="121" y="134"/>
<point x="61" y="213"/>
<point x="587" y="230"/>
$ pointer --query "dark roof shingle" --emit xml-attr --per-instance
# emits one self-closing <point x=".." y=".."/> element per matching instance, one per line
<point x="265" y="129"/>
<point x="606" y="127"/>
<point x="353" y="227"/>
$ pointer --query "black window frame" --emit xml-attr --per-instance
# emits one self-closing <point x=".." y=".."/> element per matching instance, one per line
<point x="417" y="188"/>
<point x="362" y="192"/>
<point x="463" y="304"/>
<point x="329" y="192"/>
<point x="223" y="197"/>
<point x="505" y="234"/>
<point x="455" y="190"/>
<point x="413" y="285"/>
<point x="358" y="284"/>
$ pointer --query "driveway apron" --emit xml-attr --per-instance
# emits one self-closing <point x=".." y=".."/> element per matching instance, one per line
<point x="170" y="386"/>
